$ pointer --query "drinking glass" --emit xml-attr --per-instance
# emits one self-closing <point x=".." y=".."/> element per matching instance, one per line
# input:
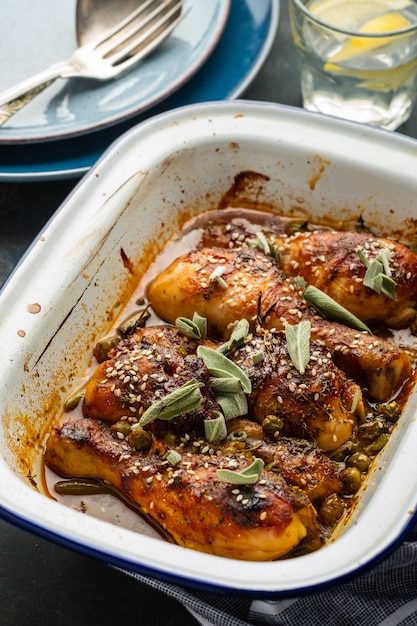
<point x="358" y="58"/>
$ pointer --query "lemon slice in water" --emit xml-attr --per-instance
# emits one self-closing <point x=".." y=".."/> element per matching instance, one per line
<point x="348" y="14"/>
<point x="357" y="46"/>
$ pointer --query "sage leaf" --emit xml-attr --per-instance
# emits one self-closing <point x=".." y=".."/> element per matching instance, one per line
<point x="298" y="344"/>
<point x="386" y="285"/>
<point x="385" y="257"/>
<point x="258" y="357"/>
<point x="378" y="276"/>
<point x="220" y="366"/>
<point x="228" y="384"/>
<point x="215" y="428"/>
<point x="249" y="476"/>
<point x="261" y="243"/>
<point x="362" y="257"/>
<point x="237" y="338"/>
<point x="373" y="270"/>
<point x="180" y="401"/>
<point x="233" y="405"/>
<point x="217" y="274"/>
<point x="173" y="457"/>
<point x="195" y="328"/>
<point x="331" y="309"/>
<point x="379" y="282"/>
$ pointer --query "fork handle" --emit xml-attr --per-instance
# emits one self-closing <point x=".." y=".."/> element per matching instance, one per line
<point x="14" y="98"/>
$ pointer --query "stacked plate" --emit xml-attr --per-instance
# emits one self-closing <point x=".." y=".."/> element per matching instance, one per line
<point x="213" y="54"/>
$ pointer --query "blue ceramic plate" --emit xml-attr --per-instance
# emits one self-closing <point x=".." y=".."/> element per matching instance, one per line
<point x="74" y="106"/>
<point x="225" y="75"/>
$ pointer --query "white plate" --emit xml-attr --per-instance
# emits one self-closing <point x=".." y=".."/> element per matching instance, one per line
<point x="37" y="33"/>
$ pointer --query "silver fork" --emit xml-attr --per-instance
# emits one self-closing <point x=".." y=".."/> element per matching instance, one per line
<point x="109" y="56"/>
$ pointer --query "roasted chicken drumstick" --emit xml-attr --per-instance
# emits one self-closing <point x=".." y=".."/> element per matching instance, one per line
<point x="199" y="511"/>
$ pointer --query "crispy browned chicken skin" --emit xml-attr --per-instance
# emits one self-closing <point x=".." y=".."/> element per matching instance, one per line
<point x="253" y="522"/>
<point x="298" y="461"/>
<point x="329" y="260"/>
<point x="317" y="410"/>
<point x="321" y="405"/>
<point x="252" y="286"/>
<point x="140" y="370"/>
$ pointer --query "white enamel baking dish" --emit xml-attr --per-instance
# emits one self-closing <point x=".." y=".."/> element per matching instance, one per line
<point x="82" y="268"/>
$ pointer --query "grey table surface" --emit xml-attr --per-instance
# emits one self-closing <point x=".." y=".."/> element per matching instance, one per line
<point x="44" y="583"/>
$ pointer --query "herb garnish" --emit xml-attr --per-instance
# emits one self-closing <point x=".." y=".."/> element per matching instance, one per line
<point x="180" y="401"/>
<point x="237" y="338"/>
<point x="173" y="457"/>
<point x="378" y="276"/>
<point x="215" y="429"/>
<point x="249" y="476"/>
<point x="261" y="243"/>
<point x="195" y="328"/>
<point x="228" y="383"/>
<point x="220" y="366"/>
<point x="331" y="309"/>
<point x="217" y="274"/>
<point x="298" y="344"/>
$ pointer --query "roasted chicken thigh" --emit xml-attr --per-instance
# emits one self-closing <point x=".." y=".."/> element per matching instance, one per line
<point x="330" y="260"/>
<point x="223" y="285"/>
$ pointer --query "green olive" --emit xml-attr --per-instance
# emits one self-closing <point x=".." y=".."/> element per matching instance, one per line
<point x="351" y="479"/>
<point x="390" y="410"/>
<point x="273" y="425"/>
<point x="233" y="446"/>
<point x="377" y="445"/>
<point x="170" y="439"/>
<point x="359" y="460"/>
<point x="102" y="348"/>
<point x="140" y="439"/>
<point x="133" y="322"/>
<point x="346" y="449"/>
<point x="371" y="430"/>
<point x="331" y="509"/>
<point x="238" y="435"/>
<point x="122" y="426"/>
<point x="74" y="398"/>
<point x="295" y="226"/>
